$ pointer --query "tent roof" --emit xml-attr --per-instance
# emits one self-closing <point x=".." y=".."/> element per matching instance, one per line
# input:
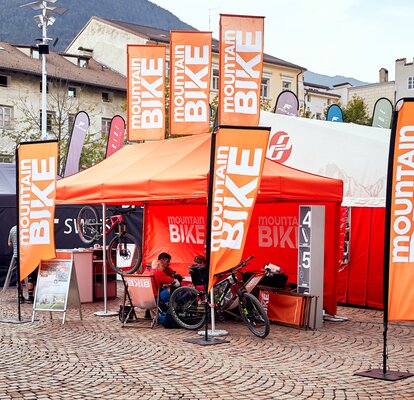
<point x="177" y="169"/>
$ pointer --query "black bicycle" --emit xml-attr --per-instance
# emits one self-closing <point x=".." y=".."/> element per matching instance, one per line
<point x="187" y="304"/>
<point x="124" y="253"/>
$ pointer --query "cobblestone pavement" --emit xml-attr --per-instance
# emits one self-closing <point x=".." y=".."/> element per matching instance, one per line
<point x="96" y="359"/>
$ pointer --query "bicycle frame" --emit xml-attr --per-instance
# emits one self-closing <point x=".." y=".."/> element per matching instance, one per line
<point x="233" y="284"/>
<point x="114" y="221"/>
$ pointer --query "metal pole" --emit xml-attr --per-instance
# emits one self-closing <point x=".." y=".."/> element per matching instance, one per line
<point x="213" y="319"/>
<point x="104" y="258"/>
<point x="44" y="76"/>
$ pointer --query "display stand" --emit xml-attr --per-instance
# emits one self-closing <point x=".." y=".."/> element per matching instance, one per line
<point x="311" y="258"/>
<point x="56" y="288"/>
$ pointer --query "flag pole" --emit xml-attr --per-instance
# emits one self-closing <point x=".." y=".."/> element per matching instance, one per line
<point x="383" y="373"/>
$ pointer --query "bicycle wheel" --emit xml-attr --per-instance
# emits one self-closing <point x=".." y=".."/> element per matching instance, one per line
<point x="124" y="254"/>
<point x="88" y="224"/>
<point x="186" y="308"/>
<point x="254" y="315"/>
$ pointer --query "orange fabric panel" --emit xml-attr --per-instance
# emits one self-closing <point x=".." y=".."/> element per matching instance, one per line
<point x="190" y="72"/>
<point x="401" y="235"/>
<point x="283" y="308"/>
<point x="146" y="92"/>
<point x="375" y="284"/>
<point x="241" y="63"/>
<point x="178" y="231"/>
<point x="359" y="256"/>
<point x="37" y="171"/>
<point x="141" y="289"/>
<point x="238" y="166"/>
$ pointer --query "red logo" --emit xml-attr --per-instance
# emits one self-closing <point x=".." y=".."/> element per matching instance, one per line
<point x="279" y="147"/>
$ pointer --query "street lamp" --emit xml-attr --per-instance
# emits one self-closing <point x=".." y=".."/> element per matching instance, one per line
<point x="44" y="20"/>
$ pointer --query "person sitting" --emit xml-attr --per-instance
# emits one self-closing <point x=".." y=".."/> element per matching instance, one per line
<point x="163" y="275"/>
<point x="197" y="271"/>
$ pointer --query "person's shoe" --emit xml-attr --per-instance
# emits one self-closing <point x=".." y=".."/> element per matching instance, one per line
<point x="22" y="300"/>
<point x="30" y="299"/>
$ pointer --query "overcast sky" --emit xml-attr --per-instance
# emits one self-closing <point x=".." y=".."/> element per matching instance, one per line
<point x="354" y="38"/>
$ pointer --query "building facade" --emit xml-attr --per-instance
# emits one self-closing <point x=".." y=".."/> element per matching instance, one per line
<point x="317" y="99"/>
<point x="404" y="79"/>
<point x="75" y="83"/>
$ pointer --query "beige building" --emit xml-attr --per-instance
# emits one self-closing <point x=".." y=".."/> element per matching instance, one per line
<point x="75" y="83"/>
<point x="106" y="41"/>
<point x="374" y="91"/>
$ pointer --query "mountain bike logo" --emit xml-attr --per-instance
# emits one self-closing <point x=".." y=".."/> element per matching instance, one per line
<point x="279" y="147"/>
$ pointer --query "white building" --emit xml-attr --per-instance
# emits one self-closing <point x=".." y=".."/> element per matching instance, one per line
<point x="317" y="99"/>
<point x="404" y="79"/>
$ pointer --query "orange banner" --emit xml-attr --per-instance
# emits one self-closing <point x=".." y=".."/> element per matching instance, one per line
<point x="401" y="252"/>
<point x="37" y="171"/>
<point x="241" y="63"/>
<point x="146" y="92"/>
<point x="238" y="165"/>
<point x="190" y="68"/>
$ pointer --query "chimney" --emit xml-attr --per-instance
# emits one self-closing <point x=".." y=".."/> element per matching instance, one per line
<point x="383" y="75"/>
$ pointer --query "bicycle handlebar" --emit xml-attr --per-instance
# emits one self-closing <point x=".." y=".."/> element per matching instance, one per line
<point x="119" y="210"/>
<point x="240" y="265"/>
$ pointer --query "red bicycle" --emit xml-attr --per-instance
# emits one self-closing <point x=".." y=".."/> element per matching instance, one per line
<point x="124" y="253"/>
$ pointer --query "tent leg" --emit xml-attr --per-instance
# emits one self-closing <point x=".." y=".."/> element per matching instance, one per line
<point x="105" y="312"/>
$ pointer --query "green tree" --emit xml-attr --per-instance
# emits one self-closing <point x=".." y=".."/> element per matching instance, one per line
<point x="356" y="111"/>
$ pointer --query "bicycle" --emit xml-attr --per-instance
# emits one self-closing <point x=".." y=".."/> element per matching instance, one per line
<point x="187" y="304"/>
<point x="124" y="253"/>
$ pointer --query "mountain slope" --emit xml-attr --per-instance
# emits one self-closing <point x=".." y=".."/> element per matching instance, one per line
<point x="313" y="77"/>
<point x="18" y="25"/>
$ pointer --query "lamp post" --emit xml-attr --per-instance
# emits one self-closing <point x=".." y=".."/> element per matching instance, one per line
<point x="44" y="20"/>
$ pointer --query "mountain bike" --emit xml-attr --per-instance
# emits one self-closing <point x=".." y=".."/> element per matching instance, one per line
<point x="124" y="253"/>
<point x="187" y="304"/>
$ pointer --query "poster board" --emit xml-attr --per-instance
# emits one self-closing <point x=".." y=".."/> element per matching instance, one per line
<point x="56" y="287"/>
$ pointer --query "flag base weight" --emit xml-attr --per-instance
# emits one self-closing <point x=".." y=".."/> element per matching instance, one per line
<point x="15" y="321"/>
<point x="388" y="376"/>
<point x="215" y="333"/>
<point x="105" y="313"/>
<point x="204" y="342"/>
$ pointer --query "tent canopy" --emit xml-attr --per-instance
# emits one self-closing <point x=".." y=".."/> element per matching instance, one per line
<point x="178" y="169"/>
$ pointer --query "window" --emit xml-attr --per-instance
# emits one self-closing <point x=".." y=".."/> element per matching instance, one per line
<point x="286" y="85"/>
<point x="411" y="82"/>
<point x="71" y="91"/>
<point x="83" y="62"/>
<point x="106" y="124"/>
<point x="35" y="54"/>
<point x="50" y="118"/>
<point x="4" y="81"/>
<point x="5" y="116"/>
<point x="215" y="81"/>
<point x="265" y="88"/>
<point x="309" y="98"/>
<point x="47" y="87"/>
<point x="107" y="97"/>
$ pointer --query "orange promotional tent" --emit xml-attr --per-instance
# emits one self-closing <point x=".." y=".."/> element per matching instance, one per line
<point x="176" y="171"/>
